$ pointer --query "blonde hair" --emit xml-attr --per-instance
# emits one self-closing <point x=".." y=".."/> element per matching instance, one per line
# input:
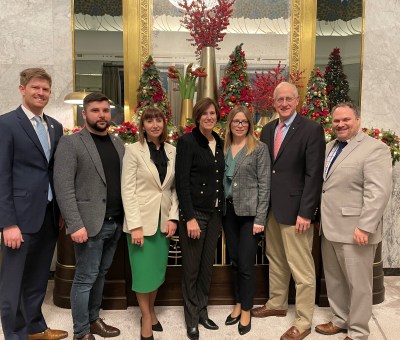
<point x="251" y="140"/>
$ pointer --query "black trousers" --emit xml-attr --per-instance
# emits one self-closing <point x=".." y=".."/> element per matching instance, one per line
<point x="23" y="280"/>
<point x="197" y="263"/>
<point x="242" y="248"/>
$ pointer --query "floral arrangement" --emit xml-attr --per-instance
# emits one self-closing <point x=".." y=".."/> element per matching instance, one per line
<point x="127" y="131"/>
<point x="389" y="138"/>
<point x="206" y="25"/>
<point x="187" y="81"/>
<point x="264" y="85"/>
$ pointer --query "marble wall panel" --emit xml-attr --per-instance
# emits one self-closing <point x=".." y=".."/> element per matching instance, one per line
<point x="381" y="71"/>
<point x="36" y="33"/>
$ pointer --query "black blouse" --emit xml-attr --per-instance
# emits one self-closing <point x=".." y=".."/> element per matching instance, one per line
<point x="159" y="158"/>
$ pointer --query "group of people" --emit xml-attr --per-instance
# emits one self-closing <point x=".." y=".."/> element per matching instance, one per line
<point x="279" y="187"/>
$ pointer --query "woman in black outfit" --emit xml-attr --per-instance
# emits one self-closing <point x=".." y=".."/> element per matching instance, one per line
<point x="199" y="184"/>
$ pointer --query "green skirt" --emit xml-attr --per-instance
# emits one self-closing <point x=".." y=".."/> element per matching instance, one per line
<point x="148" y="263"/>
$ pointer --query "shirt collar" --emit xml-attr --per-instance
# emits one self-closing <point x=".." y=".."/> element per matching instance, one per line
<point x="30" y="114"/>
<point x="289" y="121"/>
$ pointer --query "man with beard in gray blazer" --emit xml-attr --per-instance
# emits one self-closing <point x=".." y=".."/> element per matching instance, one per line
<point x="87" y="180"/>
<point x="357" y="186"/>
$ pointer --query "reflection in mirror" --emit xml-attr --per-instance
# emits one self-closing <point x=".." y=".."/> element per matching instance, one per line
<point x="262" y="25"/>
<point x="99" y="52"/>
<point x="340" y="24"/>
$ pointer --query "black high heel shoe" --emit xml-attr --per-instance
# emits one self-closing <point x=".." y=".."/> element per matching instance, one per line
<point x="231" y="321"/>
<point x="148" y="337"/>
<point x="155" y="328"/>
<point x="244" y="329"/>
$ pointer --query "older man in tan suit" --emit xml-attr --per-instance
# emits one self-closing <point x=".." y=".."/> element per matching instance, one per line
<point x="356" y="189"/>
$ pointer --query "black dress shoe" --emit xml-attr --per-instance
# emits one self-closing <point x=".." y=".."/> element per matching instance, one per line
<point x="193" y="333"/>
<point x="209" y="324"/>
<point x="231" y="321"/>
<point x="244" y="329"/>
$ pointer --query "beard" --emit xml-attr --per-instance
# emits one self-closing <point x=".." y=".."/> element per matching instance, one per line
<point x="95" y="126"/>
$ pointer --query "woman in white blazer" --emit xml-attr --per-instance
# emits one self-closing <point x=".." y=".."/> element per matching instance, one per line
<point x="151" y="211"/>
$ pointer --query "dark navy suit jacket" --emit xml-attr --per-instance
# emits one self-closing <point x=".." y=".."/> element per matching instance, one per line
<point x="25" y="172"/>
<point x="297" y="171"/>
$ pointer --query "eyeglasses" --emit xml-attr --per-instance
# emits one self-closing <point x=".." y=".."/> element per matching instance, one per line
<point x="238" y="122"/>
<point x="287" y="99"/>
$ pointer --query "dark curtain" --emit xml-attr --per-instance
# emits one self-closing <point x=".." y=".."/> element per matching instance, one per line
<point x="112" y="85"/>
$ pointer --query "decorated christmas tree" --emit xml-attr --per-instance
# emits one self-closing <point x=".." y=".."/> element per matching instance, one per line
<point x="337" y="86"/>
<point x="235" y="85"/>
<point x="150" y="91"/>
<point x="315" y="105"/>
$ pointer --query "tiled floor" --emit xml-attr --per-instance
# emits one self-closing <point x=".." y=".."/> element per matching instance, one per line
<point x="384" y="325"/>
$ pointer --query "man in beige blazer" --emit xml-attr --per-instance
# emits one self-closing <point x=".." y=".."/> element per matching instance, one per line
<point x="356" y="189"/>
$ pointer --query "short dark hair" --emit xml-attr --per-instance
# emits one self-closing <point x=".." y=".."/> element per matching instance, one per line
<point x="201" y="106"/>
<point x="350" y="105"/>
<point x="94" y="97"/>
<point x="35" y="72"/>
<point x="151" y="112"/>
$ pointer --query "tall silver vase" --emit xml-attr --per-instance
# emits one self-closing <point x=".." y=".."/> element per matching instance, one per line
<point x="207" y="86"/>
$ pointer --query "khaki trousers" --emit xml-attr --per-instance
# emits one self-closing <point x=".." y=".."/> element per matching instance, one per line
<point x="348" y="272"/>
<point x="289" y="253"/>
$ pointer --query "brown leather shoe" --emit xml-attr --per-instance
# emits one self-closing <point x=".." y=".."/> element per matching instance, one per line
<point x="263" y="312"/>
<point x="100" y="328"/>
<point x="294" y="334"/>
<point x="88" y="336"/>
<point x="347" y="338"/>
<point x="49" y="334"/>
<point x="329" y="329"/>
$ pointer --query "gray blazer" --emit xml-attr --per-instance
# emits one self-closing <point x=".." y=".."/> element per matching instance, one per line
<point x="80" y="183"/>
<point x="251" y="184"/>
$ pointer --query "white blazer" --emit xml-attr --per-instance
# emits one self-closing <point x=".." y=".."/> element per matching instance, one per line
<point x="143" y="195"/>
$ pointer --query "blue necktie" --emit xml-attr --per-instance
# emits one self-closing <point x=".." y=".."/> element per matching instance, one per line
<point x="341" y="146"/>
<point x="42" y="135"/>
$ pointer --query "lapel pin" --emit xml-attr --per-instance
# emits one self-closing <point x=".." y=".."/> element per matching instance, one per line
<point x="52" y="126"/>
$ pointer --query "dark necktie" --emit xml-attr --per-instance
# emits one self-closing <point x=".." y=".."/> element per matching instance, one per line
<point x="341" y="146"/>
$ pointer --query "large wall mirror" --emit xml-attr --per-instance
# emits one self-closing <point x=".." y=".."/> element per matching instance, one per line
<point x="340" y="25"/>
<point x="98" y="52"/>
<point x="110" y="48"/>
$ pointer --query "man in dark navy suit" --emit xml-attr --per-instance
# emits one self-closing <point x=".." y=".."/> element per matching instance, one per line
<point x="297" y="150"/>
<point x="28" y="211"/>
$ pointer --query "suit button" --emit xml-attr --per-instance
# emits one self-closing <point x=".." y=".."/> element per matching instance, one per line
<point x="201" y="192"/>
<point x="216" y="171"/>
<point x="104" y="200"/>
<point x="217" y="190"/>
<point x="235" y="184"/>
<point x="323" y="191"/>
<point x="217" y="181"/>
<point x="273" y="171"/>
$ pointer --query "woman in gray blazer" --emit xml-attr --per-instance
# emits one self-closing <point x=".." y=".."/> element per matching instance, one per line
<point x="151" y="211"/>
<point x="247" y="189"/>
